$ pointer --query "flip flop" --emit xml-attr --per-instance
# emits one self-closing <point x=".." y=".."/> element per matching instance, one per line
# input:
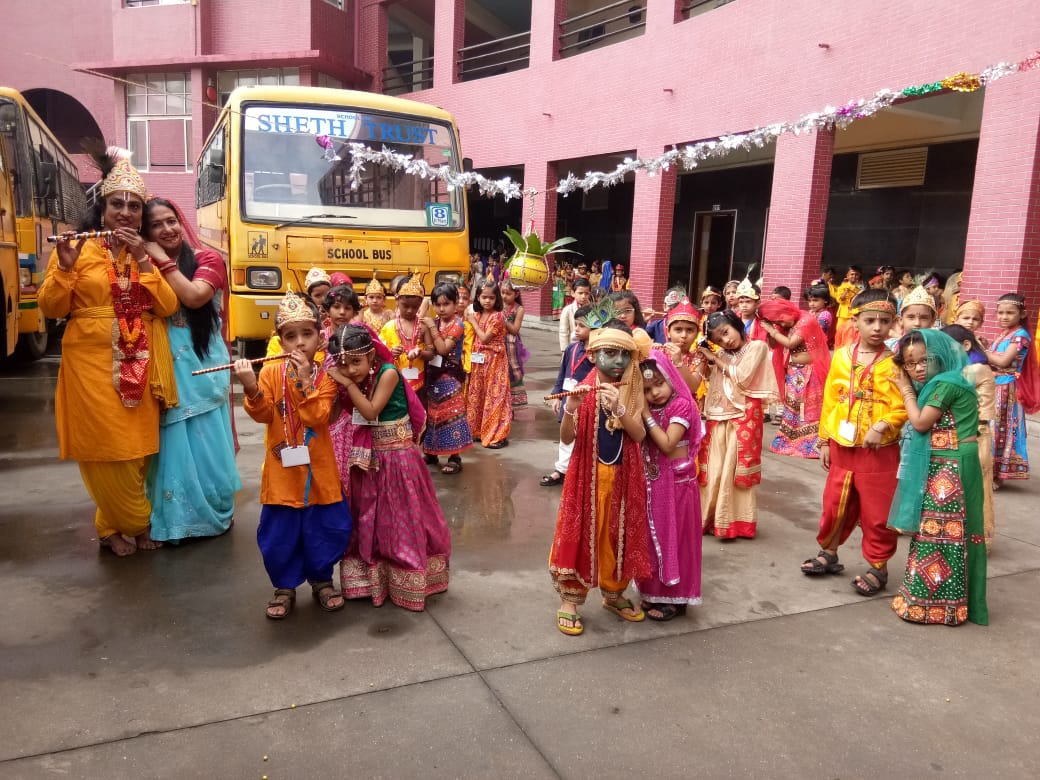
<point x="617" y="605"/>
<point x="551" y="481"/>
<point x="572" y="630"/>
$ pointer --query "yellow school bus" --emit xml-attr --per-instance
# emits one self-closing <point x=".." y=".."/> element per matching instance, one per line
<point x="274" y="195"/>
<point x="40" y="195"/>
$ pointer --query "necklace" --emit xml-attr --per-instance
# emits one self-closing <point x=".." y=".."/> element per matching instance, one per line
<point x="407" y="343"/>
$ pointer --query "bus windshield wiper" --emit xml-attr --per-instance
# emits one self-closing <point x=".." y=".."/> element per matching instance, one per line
<point x="309" y="217"/>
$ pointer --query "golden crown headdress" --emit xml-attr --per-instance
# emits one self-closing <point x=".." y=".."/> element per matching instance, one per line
<point x="918" y="297"/>
<point x="747" y="290"/>
<point x="293" y="308"/>
<point x="123" y="178"/>
<point x="413" y="286"/>
<point x="375" y="287"/>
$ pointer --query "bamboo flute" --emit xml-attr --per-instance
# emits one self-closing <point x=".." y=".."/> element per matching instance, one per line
<point x="227" y="366"/>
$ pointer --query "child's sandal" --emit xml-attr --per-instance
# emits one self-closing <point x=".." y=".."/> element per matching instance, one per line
<point x="823" y="563"/>
<point x="453" y="466"/>
<point x="865" y="587"/>
<point x="325" y="592"/>
<point x="284" y="599"/>
<point x="619" y="605"/>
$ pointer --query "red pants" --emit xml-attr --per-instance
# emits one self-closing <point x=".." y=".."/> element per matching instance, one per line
<point x="859" y="489"/>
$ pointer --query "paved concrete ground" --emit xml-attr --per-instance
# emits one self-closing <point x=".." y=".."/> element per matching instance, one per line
<point x="162" y="665"/>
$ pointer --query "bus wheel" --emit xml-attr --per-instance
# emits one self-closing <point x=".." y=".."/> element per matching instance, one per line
<point x="32" y="346"/>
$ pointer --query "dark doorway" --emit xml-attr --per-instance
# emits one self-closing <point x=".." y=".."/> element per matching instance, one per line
<point x="713" y="235"/>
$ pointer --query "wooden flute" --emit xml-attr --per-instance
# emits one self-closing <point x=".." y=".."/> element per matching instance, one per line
<point x="581" y="390"/>
<point x="213" y="369"/>
<point x="87" y="234"/>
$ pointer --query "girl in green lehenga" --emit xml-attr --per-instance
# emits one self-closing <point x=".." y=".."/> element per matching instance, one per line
<point x="939" y="496"/>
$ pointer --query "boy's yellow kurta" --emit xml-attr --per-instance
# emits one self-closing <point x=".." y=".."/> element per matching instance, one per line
<point x="93" y="424"/>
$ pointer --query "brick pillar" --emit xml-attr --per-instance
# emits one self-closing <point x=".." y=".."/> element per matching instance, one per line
<point x="543" y="177"/>
<point x="546" y="16"/>
<point x="449" y="35"/>
<point x="1003" y="248"/>
<point x="798" y="210"/>
<point x="372" y="42"/>
<point x="653" y="213"/>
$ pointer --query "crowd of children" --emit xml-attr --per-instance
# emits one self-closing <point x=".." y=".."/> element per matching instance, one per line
<point x="660" y="439"/>
<point x="916" y="425"/>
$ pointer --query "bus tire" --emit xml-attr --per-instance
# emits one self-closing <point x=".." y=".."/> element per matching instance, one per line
<point x="32" y="346"/>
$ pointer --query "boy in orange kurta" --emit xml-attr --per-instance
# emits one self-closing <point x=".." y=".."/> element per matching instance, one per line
<point x="304" y="523"/>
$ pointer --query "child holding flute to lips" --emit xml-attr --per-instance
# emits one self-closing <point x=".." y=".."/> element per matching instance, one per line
<point x="305" y="524"/>
<point x="601" y="537"/>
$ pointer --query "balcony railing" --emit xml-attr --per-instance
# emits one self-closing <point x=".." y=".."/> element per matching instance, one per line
<point x="698" y="7"/>
<point x="602" y="26"/>
<point x="491" y="58"/>
<point x="410" y="76"/>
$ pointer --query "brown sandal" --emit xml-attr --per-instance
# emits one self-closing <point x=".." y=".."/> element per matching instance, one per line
<point x="324" y="592"/>
<point x="283" y="598"/>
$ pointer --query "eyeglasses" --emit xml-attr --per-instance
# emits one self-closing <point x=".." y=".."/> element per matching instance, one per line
<point x="910" y="365"/>
<point x="624" y="311"/>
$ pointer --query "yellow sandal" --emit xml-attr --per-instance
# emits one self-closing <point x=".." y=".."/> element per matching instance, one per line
<point x="576" y="626"/>
<point x="617" y="605"/>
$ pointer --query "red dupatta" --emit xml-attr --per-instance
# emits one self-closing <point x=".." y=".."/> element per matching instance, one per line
<point x="574" y="543"/>
<point x="808" y="327"/>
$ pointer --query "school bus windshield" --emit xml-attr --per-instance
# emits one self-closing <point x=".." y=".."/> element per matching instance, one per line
<point x="288" y="175"/>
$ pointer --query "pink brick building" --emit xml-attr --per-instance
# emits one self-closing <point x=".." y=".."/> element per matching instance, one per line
<point x="546" y="87"/>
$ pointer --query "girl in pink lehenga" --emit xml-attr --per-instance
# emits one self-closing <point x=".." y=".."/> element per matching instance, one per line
<point x="401" y="542"/>
<point x="673" y="428"/>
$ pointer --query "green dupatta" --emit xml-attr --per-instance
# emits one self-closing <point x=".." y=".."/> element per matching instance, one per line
<point x="915" y="456"/>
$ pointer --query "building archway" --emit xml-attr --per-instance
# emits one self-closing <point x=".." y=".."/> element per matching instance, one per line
<point x="66" y="117"/>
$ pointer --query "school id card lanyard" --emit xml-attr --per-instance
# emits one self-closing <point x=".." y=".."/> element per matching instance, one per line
<point x="846" y="428"/>
<point x="293" y="454"/>
<point x="410" y="372"/>
<point x="478" y="355"/>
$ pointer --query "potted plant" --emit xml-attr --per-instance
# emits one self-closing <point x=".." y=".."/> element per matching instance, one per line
<point x="527" y="267"/>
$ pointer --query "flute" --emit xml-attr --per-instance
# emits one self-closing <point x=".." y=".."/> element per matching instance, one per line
<point x="581" y="390"/>
<point x="214" y="369"/>
<point x="87" y="234"/>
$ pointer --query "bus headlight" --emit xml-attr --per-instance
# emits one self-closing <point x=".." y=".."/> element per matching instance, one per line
<point x="448" y="277"/>
<point x="264" y="278"/>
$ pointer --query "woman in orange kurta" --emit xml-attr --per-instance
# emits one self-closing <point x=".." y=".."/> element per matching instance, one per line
<point x="488" y="397"/>
<point x="116" y="369"/>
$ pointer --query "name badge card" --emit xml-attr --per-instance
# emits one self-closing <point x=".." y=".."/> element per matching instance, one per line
<point x="476" y="357"/>
<point x="359" y="419"/>
<point x="436" y="361"/>
<point x="295" y="456"/>
<point x="411" y="373"/>
<point x="569" y="384"/>
<point x="847" y="430"/>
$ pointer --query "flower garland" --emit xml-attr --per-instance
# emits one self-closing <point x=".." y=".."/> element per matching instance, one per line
<point x="690" y="155"/>
<point x="126" y="302"/>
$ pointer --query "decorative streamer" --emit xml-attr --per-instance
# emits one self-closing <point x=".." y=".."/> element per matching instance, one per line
<point x="688" y="156"/>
